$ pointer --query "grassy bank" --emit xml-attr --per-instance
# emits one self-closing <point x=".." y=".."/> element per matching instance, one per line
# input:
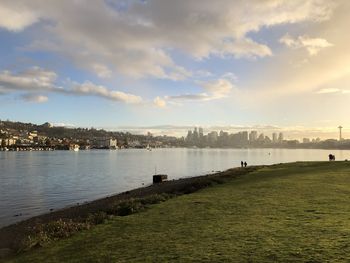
<point x="285" y="213"/>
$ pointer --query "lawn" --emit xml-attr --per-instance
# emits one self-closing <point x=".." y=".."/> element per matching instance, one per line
<point x="284" y="213"/>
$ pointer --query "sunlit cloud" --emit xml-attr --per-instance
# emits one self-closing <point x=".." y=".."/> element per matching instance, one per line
<point x="333" y="90"/>
<point x="213" y="90"/>
<point x="271" y="60"/>
<point x="144" y="32"/>
<point x="159" y="102"/>
<point x="312" y="45"/>
<point x="90" y="89"/>
<point x="15" y="17"/>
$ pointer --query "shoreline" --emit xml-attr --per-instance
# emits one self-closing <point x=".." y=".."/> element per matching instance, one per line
<point x="43" y="149"/>
<point x="12" y="235"/>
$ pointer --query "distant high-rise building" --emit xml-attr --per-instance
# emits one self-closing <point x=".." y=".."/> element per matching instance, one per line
<point x="195" y="135"/>
<point x="274" y="137"/>
<point x="212" y="138"/>
<point x="200" y="131"/>
<point x="267" y="139"/>
<point x="244" y="137"/>
<point x="261" y="138"/>
<point x="189" y="137"/>
<point x="253" y="136"/>
<point x="280" y="137"/>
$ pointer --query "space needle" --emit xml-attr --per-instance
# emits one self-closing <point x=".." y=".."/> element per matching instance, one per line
<point x="340" y="137"/>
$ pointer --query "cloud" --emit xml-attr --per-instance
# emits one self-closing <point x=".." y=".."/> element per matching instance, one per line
<point x="217" y="89"/>
<point x="230" y="76"/>
<point x="244" y="47"/>
<point x="137" y="38"/>
<point x="37" y="79"/>
<point x="312" y="45"/>
<point x="332" y="91"/>
<point x="33" y="79"/>
<point x="159" y="102"/>
<point x="15" y="17"/>
<point x="34" y="98"/>
<point x="101" y="70"/>
<point x="184" y="97"/>
<point x="90" y="89"/>
<point x="203" y="74"/>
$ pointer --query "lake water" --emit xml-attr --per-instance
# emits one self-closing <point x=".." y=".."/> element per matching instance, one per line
<point x="32" y="183"/>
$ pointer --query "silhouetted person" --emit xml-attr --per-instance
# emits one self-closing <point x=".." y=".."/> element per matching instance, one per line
<point x="331" y="157"/>
<point x="245" y="164"/>
<point x="242" y="164"/>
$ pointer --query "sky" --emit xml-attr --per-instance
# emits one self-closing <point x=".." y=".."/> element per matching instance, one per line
<point x="166" y="66"/>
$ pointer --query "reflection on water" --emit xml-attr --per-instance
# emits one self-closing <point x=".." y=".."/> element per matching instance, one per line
<point x="32" y="183"/>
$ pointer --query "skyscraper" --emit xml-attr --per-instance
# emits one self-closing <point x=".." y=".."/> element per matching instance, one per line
<point x="200" y="131"/>
<point x="280" y="137"/>
<point x="253" y="136"/>
<point x="274" y="137"/>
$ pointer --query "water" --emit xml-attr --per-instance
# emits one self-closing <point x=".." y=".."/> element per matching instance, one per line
<point x="32" y="183"/>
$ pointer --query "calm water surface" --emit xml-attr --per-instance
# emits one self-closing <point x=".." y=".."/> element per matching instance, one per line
<point x="32" y="183"/>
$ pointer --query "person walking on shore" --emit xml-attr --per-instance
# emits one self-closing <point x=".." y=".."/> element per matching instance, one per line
<point x="245" y="164"/>
<point x="242" y="164"/>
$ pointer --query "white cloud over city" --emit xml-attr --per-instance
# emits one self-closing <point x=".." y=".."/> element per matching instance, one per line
<point x="254" y="57"/>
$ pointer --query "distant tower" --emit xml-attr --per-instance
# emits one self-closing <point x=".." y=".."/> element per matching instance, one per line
<point x="340" y="137"/>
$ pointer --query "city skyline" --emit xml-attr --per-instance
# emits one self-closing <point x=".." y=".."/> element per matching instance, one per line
<point x="171" y="64"/>
<point x="290" y="132"/>
<point x="17" y="136"/>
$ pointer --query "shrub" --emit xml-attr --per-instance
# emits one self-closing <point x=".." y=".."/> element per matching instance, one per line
<point x="128" y="207"/>
<point x="43" y="234"/>
<point x="96" y="218"/>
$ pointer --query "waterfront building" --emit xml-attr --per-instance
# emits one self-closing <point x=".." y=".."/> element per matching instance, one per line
<point x="10" y="141"/>
<point x="110" y="143"/>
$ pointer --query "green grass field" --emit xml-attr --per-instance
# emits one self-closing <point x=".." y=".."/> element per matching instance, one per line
<point x="284" y="213"/>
